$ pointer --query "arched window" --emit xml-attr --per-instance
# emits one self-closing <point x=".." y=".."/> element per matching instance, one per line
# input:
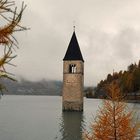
<point x="72" y="68"/>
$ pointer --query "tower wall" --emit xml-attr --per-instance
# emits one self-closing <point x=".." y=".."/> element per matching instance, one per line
<point x="73" y="86"/>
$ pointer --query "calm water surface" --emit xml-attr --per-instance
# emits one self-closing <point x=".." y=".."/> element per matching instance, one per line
<point x="41" y="118"/>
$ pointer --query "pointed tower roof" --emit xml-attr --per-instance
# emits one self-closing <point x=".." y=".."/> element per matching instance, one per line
<point x="73" y="52"/>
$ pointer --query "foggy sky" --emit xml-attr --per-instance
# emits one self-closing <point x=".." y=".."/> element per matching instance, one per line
<point x="108" y="33"/>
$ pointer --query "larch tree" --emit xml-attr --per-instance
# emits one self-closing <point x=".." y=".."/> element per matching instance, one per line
<point x="114" y="121"/>
<point x="10" y="23"/>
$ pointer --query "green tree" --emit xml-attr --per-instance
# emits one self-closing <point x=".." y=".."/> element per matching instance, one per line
<point x="132" y="67"/>
<point x="136" y="79"/>
<point x="127" y="82"/>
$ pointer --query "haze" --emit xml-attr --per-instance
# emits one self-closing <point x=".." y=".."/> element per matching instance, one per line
<point x="108" y="33"/>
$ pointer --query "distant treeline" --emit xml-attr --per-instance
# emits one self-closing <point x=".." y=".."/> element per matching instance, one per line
<point x="42" y="87"/>
<point x="129" y="80"/>
<point x="26" y="87"/>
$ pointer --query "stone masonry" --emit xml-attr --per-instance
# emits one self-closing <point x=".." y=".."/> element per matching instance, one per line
<point x="73" y="86"/>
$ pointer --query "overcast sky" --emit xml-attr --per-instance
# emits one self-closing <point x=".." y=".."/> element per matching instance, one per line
<point x="108" y="33"/>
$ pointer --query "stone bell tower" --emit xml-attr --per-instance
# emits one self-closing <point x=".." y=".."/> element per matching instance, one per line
<point x="73" y="77"/>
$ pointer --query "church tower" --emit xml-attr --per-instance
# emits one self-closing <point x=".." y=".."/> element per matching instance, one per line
<point x="73" y="77"/>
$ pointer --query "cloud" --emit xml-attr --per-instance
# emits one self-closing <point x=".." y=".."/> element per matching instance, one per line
<point x="108" y="33"/>
<point x="106" y="52"/>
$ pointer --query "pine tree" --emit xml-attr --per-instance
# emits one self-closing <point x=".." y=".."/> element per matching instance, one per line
<point x="114" y="121"/>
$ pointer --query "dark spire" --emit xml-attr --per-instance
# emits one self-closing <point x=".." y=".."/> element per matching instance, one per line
<point x="73" y="52"/>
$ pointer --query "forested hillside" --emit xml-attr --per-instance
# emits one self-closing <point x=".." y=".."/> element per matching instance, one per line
<point x="129" y="80"/>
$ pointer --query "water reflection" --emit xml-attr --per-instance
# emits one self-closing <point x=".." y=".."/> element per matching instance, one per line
<point x="71" y="125"/>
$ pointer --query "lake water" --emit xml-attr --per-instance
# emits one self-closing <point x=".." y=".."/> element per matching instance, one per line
<point x="41" y="118"/>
